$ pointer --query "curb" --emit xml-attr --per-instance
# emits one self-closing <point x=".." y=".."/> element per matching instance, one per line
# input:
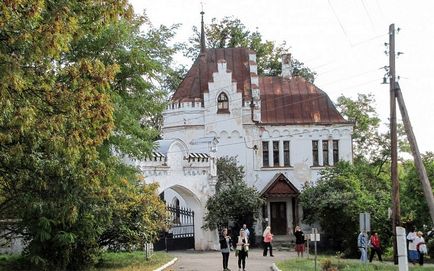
<point x="274" y="267"/>
<point x="166" y="265"/>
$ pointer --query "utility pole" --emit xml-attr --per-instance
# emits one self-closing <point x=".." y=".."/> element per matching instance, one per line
<point x="396" y="209"/>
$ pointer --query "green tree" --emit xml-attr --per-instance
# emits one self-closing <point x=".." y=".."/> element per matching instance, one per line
<point x="233" y="200"/>
<point x="231" y="32"/>
<point x="369" y="143"/>
<point x="70" y="90"/>
<point x="414" y="209"/>
<point x="342" y="192"/>
<point x="366" y="138"/>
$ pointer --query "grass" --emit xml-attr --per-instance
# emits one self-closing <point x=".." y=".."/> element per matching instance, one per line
<point x="131" y="261"/>
<point x="110" y="261"/>
<point x="305" y="264"/>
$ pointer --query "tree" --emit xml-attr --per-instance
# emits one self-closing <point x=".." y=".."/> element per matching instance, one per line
<point x="366" y="138"/>
<point x="69" y="95"/>
<point x="138" y="216"/>
<point x="342" y="192"/>
<point x="369" y="143"/>
<point x="414" y="208"/>
<point x="234" y="200"/>
<point x="231" y="32"/>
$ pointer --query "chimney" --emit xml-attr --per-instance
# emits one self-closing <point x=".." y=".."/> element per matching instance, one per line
<point x="286" y="66"/>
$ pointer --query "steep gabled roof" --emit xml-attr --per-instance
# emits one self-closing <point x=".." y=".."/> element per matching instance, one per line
<point x="196" y="81"/>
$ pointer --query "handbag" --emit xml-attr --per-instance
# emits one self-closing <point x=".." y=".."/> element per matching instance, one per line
<point x="423" y="249"/>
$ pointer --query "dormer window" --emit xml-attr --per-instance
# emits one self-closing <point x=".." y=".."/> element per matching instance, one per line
<point x="222" y="103"/>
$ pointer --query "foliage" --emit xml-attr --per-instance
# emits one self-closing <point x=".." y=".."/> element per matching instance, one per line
<point x="414" y="208"/>
<point x="342" y="192"/>
<point x="138" y="216"/>
<point x="234" y="200"/>
<point x="76" y="82"/>
<point x="367" y="141"/>
<point x="107" y="261"/>
<point x="231" y="32"/>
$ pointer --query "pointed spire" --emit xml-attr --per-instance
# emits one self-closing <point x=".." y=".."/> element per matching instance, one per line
<point x="202" y="34"/>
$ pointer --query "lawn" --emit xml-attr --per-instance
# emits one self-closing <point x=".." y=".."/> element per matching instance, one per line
<point x="305" y="264"/>
<point x="122" y="261"/>
<point x="133" y="261"/>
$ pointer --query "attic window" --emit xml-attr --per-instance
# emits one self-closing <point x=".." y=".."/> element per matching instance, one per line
<point x="222" y="103"/>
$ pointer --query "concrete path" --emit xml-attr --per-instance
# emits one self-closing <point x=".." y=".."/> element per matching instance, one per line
<point x="212" y="260"/>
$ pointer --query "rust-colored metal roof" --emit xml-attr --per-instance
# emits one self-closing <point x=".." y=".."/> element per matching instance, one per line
<point x="283" y="101"/>
<point x="196" y="81"/>
<point x="295" y="101"/>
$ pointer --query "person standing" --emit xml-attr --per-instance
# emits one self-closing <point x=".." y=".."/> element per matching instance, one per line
<point x="268" y="238"/>
<point x="225" y="248"/>
<point x="242" y="249"/>
<point x="413" y="255"/>
<point x="420" y="246"/>
<point x="299" y="241"/>
<point x="375" y="245"/>
<point x="362" y="243"/>
<point x="246" y="230"/>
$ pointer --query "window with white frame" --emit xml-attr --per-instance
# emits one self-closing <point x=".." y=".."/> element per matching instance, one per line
<point x="265" y="159"/>
<point x="276" y="160"/>
<point x="315" y="153"/>
<point x="325" y="152"/>
<point x="222" y="103"/>
<point x="335" y="151"/>
<point x="277" y="153"/>
<point x="286" y="154"/>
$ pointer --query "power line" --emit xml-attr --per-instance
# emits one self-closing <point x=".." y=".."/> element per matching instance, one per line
<point x="367" y="13"/>
<point x="340" y="23"/>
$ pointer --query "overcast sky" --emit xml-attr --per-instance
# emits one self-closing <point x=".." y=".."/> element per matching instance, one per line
<point x="342" y="40"/>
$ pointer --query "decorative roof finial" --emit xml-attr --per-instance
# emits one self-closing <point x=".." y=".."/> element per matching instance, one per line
<point x="202" y="32"/>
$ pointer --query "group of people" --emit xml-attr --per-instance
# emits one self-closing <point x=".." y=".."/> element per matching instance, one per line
<point x="416" y="246"/>
<point x="242" y="245"/>
<point x="373" y="242"/>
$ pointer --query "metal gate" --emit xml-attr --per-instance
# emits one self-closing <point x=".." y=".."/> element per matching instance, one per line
<point x="181" y="233"/>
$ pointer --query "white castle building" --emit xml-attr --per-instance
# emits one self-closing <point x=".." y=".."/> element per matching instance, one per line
<point x="283" y="130"/>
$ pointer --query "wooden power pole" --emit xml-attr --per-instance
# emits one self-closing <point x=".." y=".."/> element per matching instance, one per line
<point x="396" y="95"/>
<point x="396" y="209"/>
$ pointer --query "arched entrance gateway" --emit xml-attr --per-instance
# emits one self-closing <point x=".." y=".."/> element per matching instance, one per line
<point x="186" y="178"/>
<point x="185" y="212"/>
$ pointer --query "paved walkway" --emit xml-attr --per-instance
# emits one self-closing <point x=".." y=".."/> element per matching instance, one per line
<point x="212" y="260"/>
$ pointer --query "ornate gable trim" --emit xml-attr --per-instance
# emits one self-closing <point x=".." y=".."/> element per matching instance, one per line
<point x="279" y="186"/>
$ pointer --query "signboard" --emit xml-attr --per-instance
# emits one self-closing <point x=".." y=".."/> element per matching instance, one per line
<point x="314" y="237"/>
<point x="365" y="222"/>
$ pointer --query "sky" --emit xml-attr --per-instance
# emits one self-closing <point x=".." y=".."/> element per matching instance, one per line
<point x="342" y="40"/>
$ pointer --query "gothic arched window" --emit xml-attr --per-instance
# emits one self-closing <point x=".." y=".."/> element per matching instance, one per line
<point x="222" y="103"/>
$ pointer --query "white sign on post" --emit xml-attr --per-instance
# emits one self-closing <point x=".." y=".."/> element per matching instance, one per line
<point x="314" y="237"/>
<point x="365" y="222"/>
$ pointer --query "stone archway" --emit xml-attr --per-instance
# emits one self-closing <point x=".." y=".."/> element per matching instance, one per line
<point x="203" y="239"/>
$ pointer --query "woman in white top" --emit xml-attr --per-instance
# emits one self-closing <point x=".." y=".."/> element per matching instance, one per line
<point x="420" y="246"/>
<point x="242" y="249"/>
<point x="413" y="255"/>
